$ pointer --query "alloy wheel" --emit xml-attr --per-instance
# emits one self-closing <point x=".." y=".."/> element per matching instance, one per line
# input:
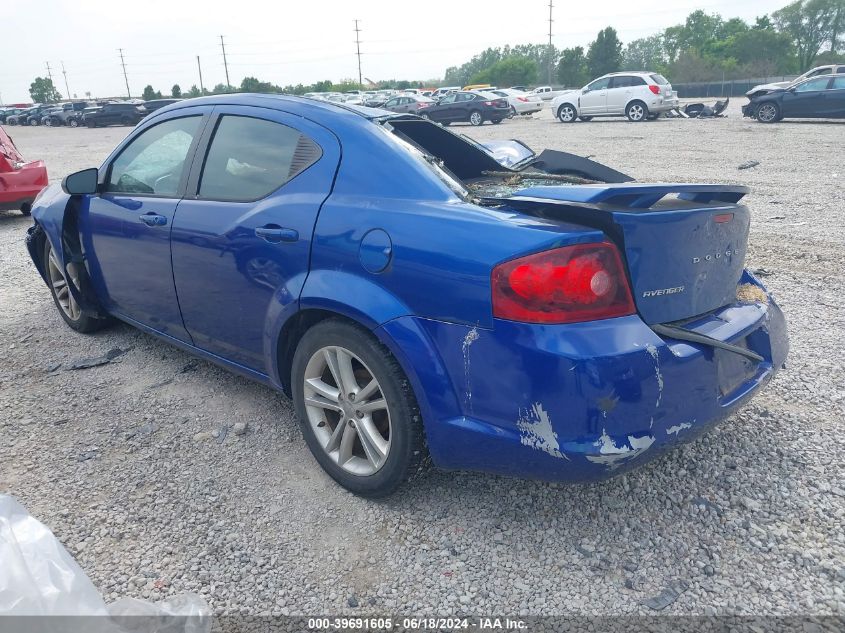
<point x="347" y="410"/>
<point x="58" y="281"/>
<point x="566" y="114"/>
<point x="767" y="113"/>
<point x="475" y="118"/>
<point x="636" y="112"/>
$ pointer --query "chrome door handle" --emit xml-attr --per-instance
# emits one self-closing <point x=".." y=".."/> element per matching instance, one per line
<point x="153" y="219"/>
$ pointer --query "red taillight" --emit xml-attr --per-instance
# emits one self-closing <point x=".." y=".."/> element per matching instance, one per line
<point x="522" y="99"/>
<point x="584" y="282"/>
<point x="488" y="103"/>
<point x="654" y="89"/>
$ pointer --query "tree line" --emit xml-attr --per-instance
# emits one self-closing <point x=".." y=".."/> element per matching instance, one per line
<point x="706" y="47"/>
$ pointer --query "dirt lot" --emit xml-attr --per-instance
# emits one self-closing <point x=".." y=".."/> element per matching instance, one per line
<point x="121" y="463"/>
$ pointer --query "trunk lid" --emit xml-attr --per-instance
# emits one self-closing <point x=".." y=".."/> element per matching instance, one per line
<point x="683" y="245"/>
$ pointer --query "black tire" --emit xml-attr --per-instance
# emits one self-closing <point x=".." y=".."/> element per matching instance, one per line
<point x="26" y="208"/>
<point x="585" y="119"/>
<point x="33" y="122"/>
<point x="566" y="113"/>
<point x="513" y="112"/>
<point x="73" y="123"/>
<point x="83" y="323"/>
<point x="636" y="111"/>
<point x="407" y="454"/>
<point x="476" y="118"/>
<point x="768" y="112"/>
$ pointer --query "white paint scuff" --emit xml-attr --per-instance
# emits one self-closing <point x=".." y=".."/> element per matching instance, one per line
<point x="652" y="350"/>
<point x="614" y="455"/>
<point x="469" y="339"/>
<point x="536" y="431"/>
<point x="674" y="430"/>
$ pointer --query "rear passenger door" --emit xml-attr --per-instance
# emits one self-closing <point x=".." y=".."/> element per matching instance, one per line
<point x="835" y="101"/>
<point x="620" y="92"/>
<point x="806" y="99"/>
<point x="241" y="237"/>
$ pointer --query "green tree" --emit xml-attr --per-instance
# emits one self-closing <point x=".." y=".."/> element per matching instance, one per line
<point x="646" y="53"/>
<point x="149" y="94"/>
<point x="220" y="89"/>
<point x="509" y="71"/>
<point x="605" y="53"/>
<point x="194" y="92"/>
<point x="176" y="91"/>
<point x="572" y="68"/>
<point x="42" y="90"/>
<point x="811" y="24"/>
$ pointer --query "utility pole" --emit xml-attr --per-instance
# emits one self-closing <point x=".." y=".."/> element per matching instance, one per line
<point x="49" y="72"/>
<point x="225" y="63"/>
<point x="125" y="78"/>
<point x="64" y="72"/>
<point x="358" y="46"/>
<point x="551" y="49"/>
<point x="202" y="90"/>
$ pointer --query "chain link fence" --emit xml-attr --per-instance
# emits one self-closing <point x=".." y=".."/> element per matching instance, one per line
<point x="724" y="88"/>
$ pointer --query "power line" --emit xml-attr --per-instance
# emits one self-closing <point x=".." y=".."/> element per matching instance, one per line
<point x="125" y="78"/>
<point x="202" y="90"/>
<point x="358" y="47"/>
<point x="64" y="72"/>
<point x="225" y="63"/>
<point x="551" y="50"/>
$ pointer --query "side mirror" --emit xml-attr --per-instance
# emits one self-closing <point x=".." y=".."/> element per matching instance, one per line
<point x="81" y="183"/>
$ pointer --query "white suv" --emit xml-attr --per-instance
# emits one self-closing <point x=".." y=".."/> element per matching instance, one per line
<point x="636" y="95"/>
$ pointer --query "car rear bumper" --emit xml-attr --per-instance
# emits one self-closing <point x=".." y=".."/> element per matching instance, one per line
<point x="583" y="401"/>
<point x="22" y="185"/>
<point x="662" y="105"/>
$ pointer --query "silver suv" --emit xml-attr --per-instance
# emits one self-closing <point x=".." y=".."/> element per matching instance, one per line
<point x="636" y="95"/>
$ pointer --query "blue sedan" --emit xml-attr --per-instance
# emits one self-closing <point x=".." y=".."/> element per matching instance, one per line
<point x="421" y="297"/>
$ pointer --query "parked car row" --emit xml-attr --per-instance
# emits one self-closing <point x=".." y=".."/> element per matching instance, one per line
<point x="79" y="113"/>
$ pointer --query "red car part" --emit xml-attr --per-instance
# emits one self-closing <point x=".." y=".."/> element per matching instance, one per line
<point x="20" y="181"/>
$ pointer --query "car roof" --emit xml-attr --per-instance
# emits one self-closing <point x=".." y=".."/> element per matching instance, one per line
<point x="289" y="103"/>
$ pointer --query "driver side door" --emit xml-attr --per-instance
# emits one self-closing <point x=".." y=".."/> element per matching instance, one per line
<point x="127" y="224"/>
<point x="594" y="98"/>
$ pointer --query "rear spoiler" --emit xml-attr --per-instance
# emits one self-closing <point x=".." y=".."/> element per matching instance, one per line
<point x="632" y="195"/>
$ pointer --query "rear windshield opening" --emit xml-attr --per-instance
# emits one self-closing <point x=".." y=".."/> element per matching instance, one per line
<point x="660" y="80"/>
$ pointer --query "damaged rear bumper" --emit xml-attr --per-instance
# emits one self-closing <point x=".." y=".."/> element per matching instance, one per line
<point x="585" y="401"/>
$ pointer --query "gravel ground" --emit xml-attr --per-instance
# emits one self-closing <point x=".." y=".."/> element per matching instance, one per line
<point x="137" y="467"/>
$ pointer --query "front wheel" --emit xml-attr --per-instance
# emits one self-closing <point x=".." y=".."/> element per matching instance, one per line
<point x="356" y="408"/>
<point x="68" y="307"/>
<point x="475" y="118"/>
<point x="768" y="113"/>
<point x="73" y="123"/>
<point x="33" y="122"/>
<point x="636" y="111"/>
<point x="566" y="113"/>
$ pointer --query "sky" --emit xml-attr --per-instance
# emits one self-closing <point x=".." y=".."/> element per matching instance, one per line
<point x="297" y="42"/>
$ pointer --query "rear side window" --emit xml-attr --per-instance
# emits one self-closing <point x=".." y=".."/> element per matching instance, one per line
<point x="841" y="69"/>
<point x="820" y="71"/>
<point x="660" y="80"/>
<point x="838" y="83"/>
<point x="250" y="158"/>
<point x="627" y="81"/>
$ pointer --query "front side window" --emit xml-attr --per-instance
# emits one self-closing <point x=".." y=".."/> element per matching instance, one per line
<point x="250" y="158"/>
<point x="599" y="84"/>
<point x="153" y="163"/>
<point x="812" y="85"/>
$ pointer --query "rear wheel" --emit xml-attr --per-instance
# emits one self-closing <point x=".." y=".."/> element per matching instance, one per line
<point x="73" y="123"/>
<point x="68" y="307"/>
<point x="513" y="112"/>
<point x="475" y="118"/>
<point x="33" y="121"/>
<point x="768" y="112"/>
<point x="566" y="113"/>
<point x="357" y="411"/>
<point x="636" y="111"/>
